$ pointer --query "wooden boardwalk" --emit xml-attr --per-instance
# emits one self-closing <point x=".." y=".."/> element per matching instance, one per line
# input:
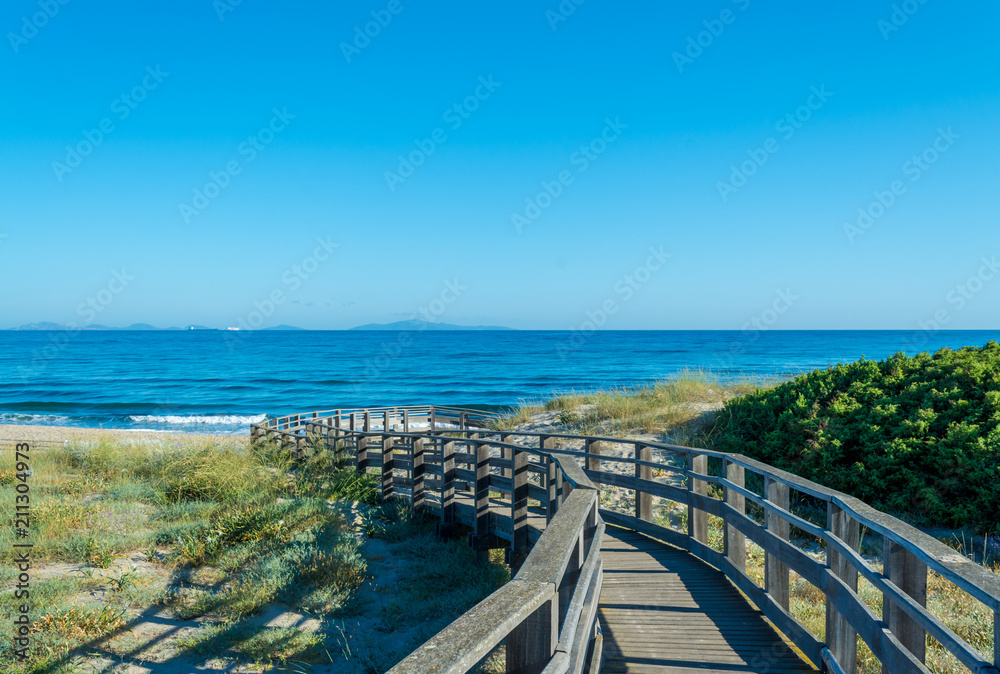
<point x="664" y="610"/>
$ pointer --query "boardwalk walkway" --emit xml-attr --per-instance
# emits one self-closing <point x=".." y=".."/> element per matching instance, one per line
<point x="664" y="610"/>
<point x="661" y="607"/>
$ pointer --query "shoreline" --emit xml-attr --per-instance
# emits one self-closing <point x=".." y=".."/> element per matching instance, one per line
<point x="48" y="435"/>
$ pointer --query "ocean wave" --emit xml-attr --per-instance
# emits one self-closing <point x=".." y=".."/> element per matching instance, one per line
<point x="210" y="419"/>
<point x="33" y="419"/>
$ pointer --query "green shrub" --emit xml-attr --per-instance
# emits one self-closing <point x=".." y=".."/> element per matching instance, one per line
<point x="915" y="436"/>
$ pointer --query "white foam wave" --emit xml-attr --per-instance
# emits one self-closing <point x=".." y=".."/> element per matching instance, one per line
<point x="31" y="419"/>
<point x="211" y="419"/>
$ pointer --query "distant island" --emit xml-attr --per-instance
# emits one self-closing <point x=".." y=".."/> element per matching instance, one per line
<point x="134" y="326"/>
<point x="417" y="324"/>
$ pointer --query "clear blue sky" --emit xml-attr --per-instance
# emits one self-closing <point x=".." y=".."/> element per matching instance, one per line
<point x="681" y="114"/>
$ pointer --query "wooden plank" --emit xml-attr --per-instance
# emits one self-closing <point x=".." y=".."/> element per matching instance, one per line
<point x="776" y="579"/>
<point x="552" y="489"/>
<point x="448" y="482"/>
<point x="841" y="637"/>
<point x="643" y="500"/>
<point x="387" y="465"/>
<point x="908" y="573"/>
<point x="418" y="470"/>
<point x="733" y="539"/>
<point x="482" y="499"/>
<point x="593" y="448"/>
<point x="661" y="610"/>
<point x="697" y="518"/>
<point x="519" y="510"/>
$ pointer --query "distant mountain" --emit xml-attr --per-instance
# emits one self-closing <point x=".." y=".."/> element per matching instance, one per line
<point x="282" y="327"/>
<point x="41" y="326"/>
<point x="97" y="326"/>
<point x="417" y="325"/>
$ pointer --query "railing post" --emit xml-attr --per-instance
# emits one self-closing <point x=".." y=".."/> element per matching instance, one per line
<point x="996" y="639"/>
<point x="643" y="500"/>
<point x="362" y="454"/>
<point x="368" y="422"/>
<point x="841" y="638"/>
<point x="406" y="421"/>
<point x="909" y="574"/>
<point x="448" y="482"/>
<point x="697" y="518"/>
<point x="531" y="644"/>
<point x="432" y="418"/>
<point x="387" y="421"/>
<point x="418" y="473"/>
<point x="482" y="496"/>
<point x="353" y="422"/>
<point x="775" y="572"/>
<point x="519" y="510"/>
<point x="551" y="480"/>
<point x="388" y="452"/>
<point x="336" y="419"/>
<point x="735" y="541"/>
<point x="552" y="488"/>
<point x="505" y="453"/>
<point x="592" y="447"/>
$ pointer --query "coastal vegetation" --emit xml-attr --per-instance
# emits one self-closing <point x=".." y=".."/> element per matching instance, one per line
<point x="218" y="552"/>
<point x="918" y="437"/>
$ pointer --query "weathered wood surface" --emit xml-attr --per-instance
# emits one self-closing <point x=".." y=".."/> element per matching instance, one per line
<point x="663" y="610"/>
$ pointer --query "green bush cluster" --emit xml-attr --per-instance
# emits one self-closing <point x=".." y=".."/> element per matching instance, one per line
<point x="917" y="436"/>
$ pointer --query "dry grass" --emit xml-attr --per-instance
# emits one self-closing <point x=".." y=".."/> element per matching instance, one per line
<point x="667" y="408"/>
<point x="252" y="522"/>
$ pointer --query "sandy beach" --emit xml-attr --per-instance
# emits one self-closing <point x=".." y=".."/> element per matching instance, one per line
<point x="49" y="435"/>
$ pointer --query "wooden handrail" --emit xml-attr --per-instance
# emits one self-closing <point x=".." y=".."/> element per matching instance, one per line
<point x="543" y="631"/>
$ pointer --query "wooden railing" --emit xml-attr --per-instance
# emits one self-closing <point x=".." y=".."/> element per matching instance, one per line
<point x="547" y="613"/>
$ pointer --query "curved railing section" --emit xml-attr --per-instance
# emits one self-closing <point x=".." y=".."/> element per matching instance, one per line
<point x="462" y="465"/>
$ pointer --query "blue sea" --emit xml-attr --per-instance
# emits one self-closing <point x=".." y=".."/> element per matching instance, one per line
<point x="220" y="382"/>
